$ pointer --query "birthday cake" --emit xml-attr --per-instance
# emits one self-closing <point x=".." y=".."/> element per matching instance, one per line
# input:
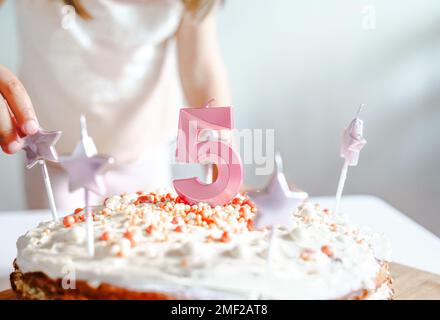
<point x="155" y="246"/>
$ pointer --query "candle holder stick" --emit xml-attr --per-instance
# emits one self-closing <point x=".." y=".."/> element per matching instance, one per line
<point x="352" y="143"/>
<point x="49" y="190"/>
<point x="39" y="148"/>
<point x="83" y="167"/>
<point x="276" y="204"/>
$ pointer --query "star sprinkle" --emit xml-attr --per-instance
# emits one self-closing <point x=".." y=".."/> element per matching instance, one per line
<point x="83" y="165"/>
<point x="276" y="203"/>
<point x="40" y="146"/>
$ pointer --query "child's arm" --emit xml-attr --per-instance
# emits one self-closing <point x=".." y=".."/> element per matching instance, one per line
<point x="202" y="71"/>
<point x="17" y="115"/>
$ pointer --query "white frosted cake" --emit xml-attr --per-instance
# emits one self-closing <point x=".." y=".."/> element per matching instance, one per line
<point x="154" y="246"/>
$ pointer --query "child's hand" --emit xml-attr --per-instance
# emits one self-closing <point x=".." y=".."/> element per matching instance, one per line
<point x="17" y="115"/>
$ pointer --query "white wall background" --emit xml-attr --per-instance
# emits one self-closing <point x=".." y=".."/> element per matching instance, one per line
<point x="11" y="174"/>
<point x="303" y="67"/>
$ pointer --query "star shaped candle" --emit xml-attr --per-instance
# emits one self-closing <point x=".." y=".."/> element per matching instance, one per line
<point x="352" y="143"/>
<point x="84" y="171"/>
<point x="39" y="148"/>
<point x="84" y="164"/>
<point x="83" y="167"/>
<point x="276" y="203"/>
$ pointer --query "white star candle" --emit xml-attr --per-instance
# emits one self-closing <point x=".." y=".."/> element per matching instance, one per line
<point x="39" y="148"/>
<point x="83" y="167"/>
<point x="352" y="143"/>
<point x="276" y="204"/>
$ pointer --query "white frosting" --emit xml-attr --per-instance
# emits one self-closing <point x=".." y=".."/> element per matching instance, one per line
<point x="323" y="257"/>
<point x="384" y="292"/>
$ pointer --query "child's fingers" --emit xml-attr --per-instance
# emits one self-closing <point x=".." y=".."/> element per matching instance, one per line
<point x="9" y="140"/>
<point x="21" y="106"/>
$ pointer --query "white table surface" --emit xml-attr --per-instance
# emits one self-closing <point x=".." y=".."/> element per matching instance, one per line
<point x="412" y="244"/>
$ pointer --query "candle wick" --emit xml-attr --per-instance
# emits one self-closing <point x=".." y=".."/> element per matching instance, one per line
<point x="361" y="107"/>
<point x="208" y="104"/>
<point x="83" y="126"/>
<point x="278" y="162"/>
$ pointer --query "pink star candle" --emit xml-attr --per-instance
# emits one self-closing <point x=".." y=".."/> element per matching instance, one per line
<point x="39" y="148"/>
<point x="190" y="149"/>
<point x="83" y="167"/>
<point x="351" y="146"/>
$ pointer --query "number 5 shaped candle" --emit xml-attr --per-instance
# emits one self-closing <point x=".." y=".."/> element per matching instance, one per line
<point x="192" y="121"/>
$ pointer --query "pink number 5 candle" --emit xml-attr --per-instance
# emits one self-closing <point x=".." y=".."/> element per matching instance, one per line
<point x="192" y="121"/>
